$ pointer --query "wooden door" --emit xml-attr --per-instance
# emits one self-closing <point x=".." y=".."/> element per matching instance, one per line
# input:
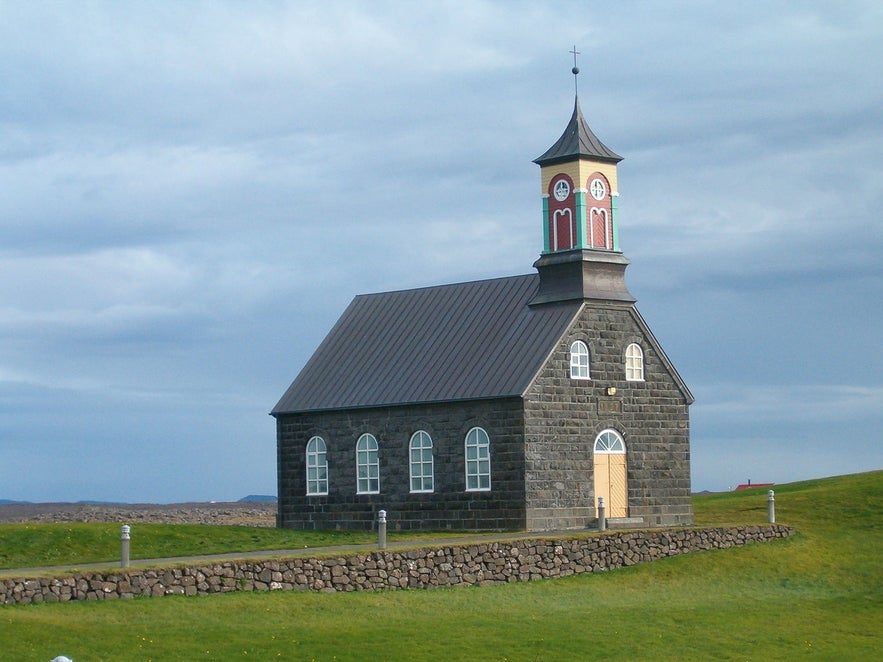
<point x="610" y="474"/>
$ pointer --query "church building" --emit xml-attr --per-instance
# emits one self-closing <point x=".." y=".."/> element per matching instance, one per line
<point x="512" y="403"/>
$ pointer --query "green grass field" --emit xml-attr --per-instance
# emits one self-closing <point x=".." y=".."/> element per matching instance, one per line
<point x="77" y="543"/>
<point x="36" y="545"/>
<point x="817" y="595"/>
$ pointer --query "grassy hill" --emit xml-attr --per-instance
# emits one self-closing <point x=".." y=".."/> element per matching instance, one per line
<point x="818" y="594"/>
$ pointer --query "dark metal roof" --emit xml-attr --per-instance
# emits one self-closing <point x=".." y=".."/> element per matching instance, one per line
<point x="576" y="141"/>
<point x="452" y="342"/>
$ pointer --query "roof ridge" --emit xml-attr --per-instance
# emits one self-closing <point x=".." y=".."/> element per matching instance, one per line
<point x="435" y="287"/>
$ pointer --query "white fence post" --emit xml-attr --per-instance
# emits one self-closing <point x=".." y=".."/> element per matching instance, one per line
<point x="381" y="529"/>
<point x="124" y="546"/>
<point x="602" y="518"/>
<point x="771" y="506"/>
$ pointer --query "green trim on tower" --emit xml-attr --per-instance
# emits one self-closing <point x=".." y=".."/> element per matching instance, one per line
<point x="547" y="241"/>
<point x="613" y="200"/>
<point x="580" y="199"/>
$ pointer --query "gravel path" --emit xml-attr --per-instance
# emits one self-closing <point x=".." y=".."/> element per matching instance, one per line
<point x="248" y="513"/>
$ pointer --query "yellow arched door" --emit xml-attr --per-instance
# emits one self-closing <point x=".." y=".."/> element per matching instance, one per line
<point x="610" y="474"/>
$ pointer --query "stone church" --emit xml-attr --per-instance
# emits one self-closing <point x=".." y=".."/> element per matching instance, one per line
<point x="510" y="403"/>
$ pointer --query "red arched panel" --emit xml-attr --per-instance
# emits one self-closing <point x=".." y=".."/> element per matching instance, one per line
<point x="562" y="213"/>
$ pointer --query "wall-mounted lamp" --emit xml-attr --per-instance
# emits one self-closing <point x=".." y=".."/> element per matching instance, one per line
<point x="611" y="390"/>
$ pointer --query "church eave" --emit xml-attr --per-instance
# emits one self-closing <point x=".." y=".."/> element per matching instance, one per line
<point x="388" y="405"/>
<point x="682" y="385"/>
<point x="574" y="157"/>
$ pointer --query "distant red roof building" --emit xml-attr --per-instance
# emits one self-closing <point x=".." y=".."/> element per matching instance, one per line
<point x="745" y="486"/>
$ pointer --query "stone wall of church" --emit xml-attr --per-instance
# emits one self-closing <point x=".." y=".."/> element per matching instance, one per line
<point x="564" y="416"/>
<point x="449" y="506"/>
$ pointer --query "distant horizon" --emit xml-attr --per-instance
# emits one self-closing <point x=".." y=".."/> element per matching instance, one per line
<point x="268" y="498"/>
<point x="251" y="498"/>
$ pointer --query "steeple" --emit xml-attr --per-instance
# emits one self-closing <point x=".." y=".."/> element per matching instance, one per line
<point x="577" y="141"/>
<point x="581" y="256"/>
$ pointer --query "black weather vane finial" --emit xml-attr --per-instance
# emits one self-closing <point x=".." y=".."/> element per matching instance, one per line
<point x="575" y="71"/>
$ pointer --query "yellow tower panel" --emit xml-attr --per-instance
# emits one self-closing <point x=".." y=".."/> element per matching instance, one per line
<point x="579" y="172"/>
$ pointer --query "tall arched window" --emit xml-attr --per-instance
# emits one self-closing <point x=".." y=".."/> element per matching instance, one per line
<point x="579" y="360"/>
<point x="478" y="461"/>
<point x="421" y="462"/>
<point x="317" y="466"/>
<point x="634" y="363"/>
<point x="367" y="465"/>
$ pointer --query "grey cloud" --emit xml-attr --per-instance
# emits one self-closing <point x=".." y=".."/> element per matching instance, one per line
<point x="189" y="198"/>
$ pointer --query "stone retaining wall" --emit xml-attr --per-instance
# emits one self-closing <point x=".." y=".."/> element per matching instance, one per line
<point x="460" y="565"/>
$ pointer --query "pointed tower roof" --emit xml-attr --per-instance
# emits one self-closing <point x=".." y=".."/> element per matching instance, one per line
<point x="577" y="141"/>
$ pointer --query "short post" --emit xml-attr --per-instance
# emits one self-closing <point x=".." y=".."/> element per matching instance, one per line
<point x="771" y="506"/>
<point x="124" y="546"/>
<point x="602" y="518"/>
<point x="381" y="529"/>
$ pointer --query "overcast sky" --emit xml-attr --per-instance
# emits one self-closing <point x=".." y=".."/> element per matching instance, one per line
<point x="192" y="192"/>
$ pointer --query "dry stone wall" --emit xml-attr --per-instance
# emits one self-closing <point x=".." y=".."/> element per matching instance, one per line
<point x="460" y="565"/>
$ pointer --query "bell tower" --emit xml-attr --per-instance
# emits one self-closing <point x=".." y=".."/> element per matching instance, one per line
<point x="581" y="258"/>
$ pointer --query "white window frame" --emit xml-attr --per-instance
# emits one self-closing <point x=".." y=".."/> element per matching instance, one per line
<point x="478" y="460"/>
<point x="367" y="465"/>
<point x="609" y="442"/>
<point x="580" y="361"/>
<point x="634" y="363"/>
<point x="317" y="467"/>
<point x="421" y="462"/>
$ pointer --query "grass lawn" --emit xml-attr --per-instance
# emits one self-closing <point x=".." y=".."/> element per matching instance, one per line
<point x="32" y="545"/>
<point x="817" y="595"/>
<point x="35" y="545"/>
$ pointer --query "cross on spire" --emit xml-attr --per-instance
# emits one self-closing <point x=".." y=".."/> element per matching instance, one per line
<point x="575" y="70"/>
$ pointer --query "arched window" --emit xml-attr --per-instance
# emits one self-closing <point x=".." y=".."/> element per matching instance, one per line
<point x="579" y="360"/>
<point x="634" y="363"/>
<point x="317" y="466"/>
<point x="421" y="462"/>
<point x="367" y="465"/>
<point x="478" y="461"/>
<point x="610" y="442"/>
